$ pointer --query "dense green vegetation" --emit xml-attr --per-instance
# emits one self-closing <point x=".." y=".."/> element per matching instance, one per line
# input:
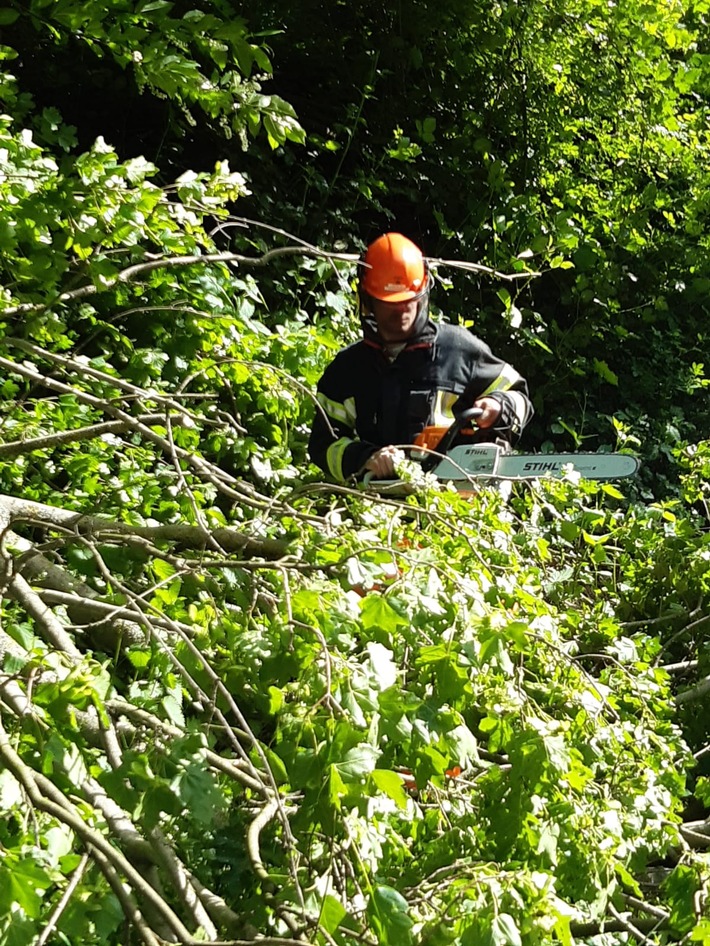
<point x="239" y="704"/>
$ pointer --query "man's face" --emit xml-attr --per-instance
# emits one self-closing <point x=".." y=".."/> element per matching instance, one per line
<point x="395" y="320"/>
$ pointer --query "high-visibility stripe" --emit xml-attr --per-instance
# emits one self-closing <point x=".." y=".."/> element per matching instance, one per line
<point x="505" y="380"/>
<point x="350" y="410"/>
<point x="334" y="457"/>
<point x="443" y="414"/>
<point x="338" y="412"/>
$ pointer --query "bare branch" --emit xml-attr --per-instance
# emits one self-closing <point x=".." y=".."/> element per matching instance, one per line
<point x="696" y="833"/>
<point x="480" y="268"/>
<point x="646" y="907"/>
<point x="267" y="814"/>
<point x="217" y="908"/>
<point x="64" y="900"/>
<point x="181" y="881"/>
<point x="89" y="612"/>
<point x="261" y="941"/>
<point x="126" y="899"/>
<point x="680" y="666"/>
<point x="631" y="926"/>
<point x="696" y="693"/>
<point x="642" y="925"/>
<point x="43" y="616"/>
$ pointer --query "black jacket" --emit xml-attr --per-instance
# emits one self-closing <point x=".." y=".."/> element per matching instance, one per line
<point x="367" y="401"/>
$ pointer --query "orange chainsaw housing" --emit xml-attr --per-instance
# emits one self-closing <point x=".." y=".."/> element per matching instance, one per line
<point x="431" y="436"/>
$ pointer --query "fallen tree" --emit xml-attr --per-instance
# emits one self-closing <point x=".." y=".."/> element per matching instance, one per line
<point x="402" y="719"/>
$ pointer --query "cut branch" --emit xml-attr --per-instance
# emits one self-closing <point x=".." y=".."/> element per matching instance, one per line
<point x="17" y="448"/>
<point x="228" y="484"/>
<point x="23" y="510"/>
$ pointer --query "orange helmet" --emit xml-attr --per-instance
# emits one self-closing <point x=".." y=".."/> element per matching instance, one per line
<point x="395" y="270"/>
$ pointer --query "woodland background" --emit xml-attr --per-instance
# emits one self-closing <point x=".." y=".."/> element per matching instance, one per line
<point x="238" y="704"/>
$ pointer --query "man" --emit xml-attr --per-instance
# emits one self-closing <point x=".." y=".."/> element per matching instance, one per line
<point x="406" y="373"/>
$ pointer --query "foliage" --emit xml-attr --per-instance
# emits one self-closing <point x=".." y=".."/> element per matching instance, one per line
<point x="197" y="59"/>
<point x="240" y="704"/>
<point x="435" y="720"/>
<point x="567" y="139"/>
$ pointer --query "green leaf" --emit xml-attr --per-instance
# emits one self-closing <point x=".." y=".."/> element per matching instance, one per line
<point x="332" y="913"/>
<point x="504" y="931"/>
<point x="605" y="372"/>
<point x="681" y="888"/>
<point x="20" y="932"/>
<point x="27" y="882"/>
<point x="628" y="880"/>
<point x="336" y="787"/>
<point x="276" y="700"/>
<point x="389" y="913"/>
<point x="702" y="789"/>
<point x="376" y="611"/>
<point x="163" y="570"/>
<point x="358" y="762"/>
<point x="169" y="595"/>
<point x="563" y="929"/>
<point x="701" y="933"/>
<point x="390" y="784"/>
<point x="199" y="792"/>
<point x="172" y="704"/>
<point x="277" y="766"/>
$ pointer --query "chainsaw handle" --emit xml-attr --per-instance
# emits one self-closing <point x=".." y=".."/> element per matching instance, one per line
<point x="457" y="425"/>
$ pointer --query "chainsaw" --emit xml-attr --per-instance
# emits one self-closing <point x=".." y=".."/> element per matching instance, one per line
<point x="462" y="464"/>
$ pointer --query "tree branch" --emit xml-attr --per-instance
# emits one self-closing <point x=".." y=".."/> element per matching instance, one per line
<point x="126" y="899"/>
<point x="63" y="901"/>
<point x="15" y="448"/>
<point x="243" y="772"/>
<point x="480" y="268"/>
<point x="131" y="273"/>
<point x="166" y="857"/>
<point x="631" y="925"/>
<point x="229" y="485"/>
<point x="643" y="925"/>
<point x="696" y="693"/>
<point x="45" y="796"/>
<point x="24" y="510"/>
<point x="44" y="617"/>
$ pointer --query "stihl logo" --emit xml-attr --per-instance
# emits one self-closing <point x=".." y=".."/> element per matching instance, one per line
<point x="549" y="466"/>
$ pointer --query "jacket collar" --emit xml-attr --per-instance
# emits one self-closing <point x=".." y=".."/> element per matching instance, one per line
<point x="423" y="337"/>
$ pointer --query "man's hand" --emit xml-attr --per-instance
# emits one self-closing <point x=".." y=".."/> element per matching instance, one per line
<point x="491" y="411"/>
<point x="381" y="463"/>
